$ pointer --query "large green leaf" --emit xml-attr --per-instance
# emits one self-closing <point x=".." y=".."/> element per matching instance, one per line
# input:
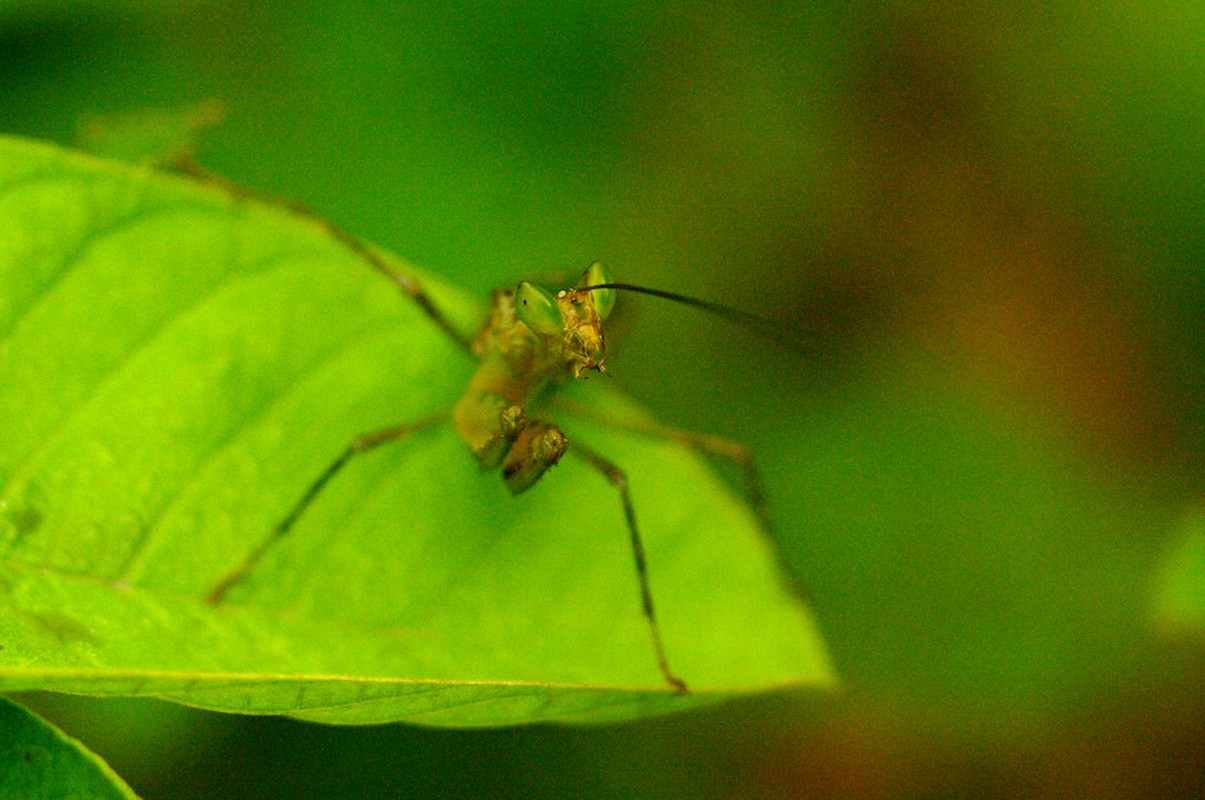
<point x="38" y="760"/>
<point x="179" y="364"/>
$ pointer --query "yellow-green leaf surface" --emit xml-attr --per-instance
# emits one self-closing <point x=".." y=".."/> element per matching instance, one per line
<point x="38" y="760"/>
<point x="178" y="364"/>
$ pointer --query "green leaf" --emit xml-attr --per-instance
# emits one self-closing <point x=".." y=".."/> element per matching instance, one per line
<point x="37" y="760"/>
<point x="180" y="364"/>
<point x="1179" y="605"/>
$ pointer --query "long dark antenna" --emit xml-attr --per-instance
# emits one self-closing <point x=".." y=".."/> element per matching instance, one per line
<point x="760" y="325"/>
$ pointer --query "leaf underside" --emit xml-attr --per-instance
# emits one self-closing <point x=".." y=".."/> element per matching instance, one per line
<point x="180" y="363"/>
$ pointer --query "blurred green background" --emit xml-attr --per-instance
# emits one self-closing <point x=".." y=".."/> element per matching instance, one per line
<point x="984" y="224"/>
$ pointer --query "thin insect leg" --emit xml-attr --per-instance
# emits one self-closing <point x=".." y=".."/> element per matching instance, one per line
<point x="755" y="493"/>
<point x="619" y="480"/>
<point x="717" y="447"/>
<point x="408" y="285"/>
<point x="361" y="444"/>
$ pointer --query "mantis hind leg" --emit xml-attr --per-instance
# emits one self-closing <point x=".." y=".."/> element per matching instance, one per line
<point x="618" y="478"/>
<point x="408" y="285"/>
<point x="361" y="444"/>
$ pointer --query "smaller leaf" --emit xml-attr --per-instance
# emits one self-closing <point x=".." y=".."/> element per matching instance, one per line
<point x="1180" y="584"/>
<point x="38" y="760"/>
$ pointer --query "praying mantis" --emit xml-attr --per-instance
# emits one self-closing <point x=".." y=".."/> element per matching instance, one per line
<point x="531" y="343"/>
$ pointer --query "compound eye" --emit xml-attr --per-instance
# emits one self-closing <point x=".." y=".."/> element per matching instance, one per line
<point x="603" y="299"/>
<point x="538" y="310"/>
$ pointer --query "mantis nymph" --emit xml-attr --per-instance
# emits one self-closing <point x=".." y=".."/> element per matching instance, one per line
<point x="531" y="342"/>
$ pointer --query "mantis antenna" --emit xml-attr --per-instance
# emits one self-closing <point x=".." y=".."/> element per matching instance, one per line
<point x="759" y="325"/>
